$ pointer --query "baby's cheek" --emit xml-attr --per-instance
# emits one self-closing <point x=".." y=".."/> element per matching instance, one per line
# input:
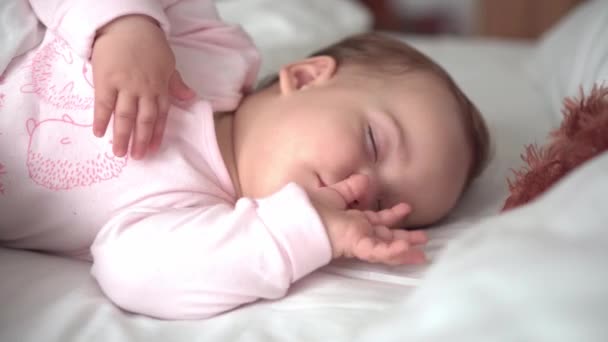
<point x="344" y="157"/>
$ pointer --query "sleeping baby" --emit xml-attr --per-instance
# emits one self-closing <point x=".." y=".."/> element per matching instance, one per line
<point x="189" y="206"/>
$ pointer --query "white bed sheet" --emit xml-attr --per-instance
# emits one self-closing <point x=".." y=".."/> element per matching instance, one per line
<point x="44" y="298"/>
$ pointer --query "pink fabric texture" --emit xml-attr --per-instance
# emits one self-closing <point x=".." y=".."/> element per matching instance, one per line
<point x="167" y="235"/>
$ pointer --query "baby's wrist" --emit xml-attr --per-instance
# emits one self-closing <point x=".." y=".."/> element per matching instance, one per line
<point x="117" y="22"/>
<point x="331" y="237"/>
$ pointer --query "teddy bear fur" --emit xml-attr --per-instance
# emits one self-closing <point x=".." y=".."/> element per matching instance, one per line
<point x="583" y="134"/>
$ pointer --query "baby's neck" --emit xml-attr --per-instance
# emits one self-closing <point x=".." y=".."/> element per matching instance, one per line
<point x="224" y="131"/>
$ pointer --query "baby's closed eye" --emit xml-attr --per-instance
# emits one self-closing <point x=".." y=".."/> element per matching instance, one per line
<point x="372" y="142"/>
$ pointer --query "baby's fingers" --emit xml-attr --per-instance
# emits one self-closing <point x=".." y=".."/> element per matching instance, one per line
<point x="144" y="126"/>
<point x="376" y="249"/>
<point x="409" y="257"/>
<point x="105" y="101"/>
<point x="414" y="237"/>
<point x="161" y="122"/>
<point x="380" y="248"/>
<point x="124" y="122"/>
<point x="390" y="216"/>
<point x="412" y="256"/>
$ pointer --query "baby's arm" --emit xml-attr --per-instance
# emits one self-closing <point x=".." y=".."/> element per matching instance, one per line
<point x="192" y="263"/>
<point x="217" y="59"/>
<point x="132" y="64"/>
<point x="220" y="60"/>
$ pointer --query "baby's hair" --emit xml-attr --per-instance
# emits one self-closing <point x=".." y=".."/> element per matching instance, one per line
<point x="380" y="53"/>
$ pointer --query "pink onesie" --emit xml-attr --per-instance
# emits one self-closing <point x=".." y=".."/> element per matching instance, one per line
<point x="167" y="235"/>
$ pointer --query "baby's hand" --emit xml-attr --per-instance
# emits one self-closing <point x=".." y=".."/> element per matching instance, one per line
<point x="365" y="234"/>
<point x="133" y="75"/>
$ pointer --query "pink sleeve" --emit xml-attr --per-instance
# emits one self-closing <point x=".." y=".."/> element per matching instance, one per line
<point x="77" y="21"/>
<point x="192" y="263"/>
<point x="218" y="60"/>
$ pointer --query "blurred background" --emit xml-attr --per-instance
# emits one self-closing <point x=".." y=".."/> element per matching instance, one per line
<point x="523" y="19"/>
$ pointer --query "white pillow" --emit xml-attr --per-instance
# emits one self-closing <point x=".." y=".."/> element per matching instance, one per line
<point x="574" y="53"/>
<point x="19" y="30"/>
<point x="290" y="29"/>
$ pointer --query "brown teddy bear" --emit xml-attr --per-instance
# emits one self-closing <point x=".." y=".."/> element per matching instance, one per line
<point x="582" y="135"/>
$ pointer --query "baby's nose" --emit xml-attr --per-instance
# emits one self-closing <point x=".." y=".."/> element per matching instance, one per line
<point x="362" y="194"/>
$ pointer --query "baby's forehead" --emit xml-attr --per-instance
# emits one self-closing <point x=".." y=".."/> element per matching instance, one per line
<point x="420" y="89"/>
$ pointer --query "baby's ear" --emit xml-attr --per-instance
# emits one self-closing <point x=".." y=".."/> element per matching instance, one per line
<point x="306" y="73"/>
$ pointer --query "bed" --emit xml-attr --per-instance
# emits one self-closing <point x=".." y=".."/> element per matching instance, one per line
<point x="533" y="274"/>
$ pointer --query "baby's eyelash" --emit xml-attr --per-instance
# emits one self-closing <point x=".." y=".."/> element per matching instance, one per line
<point x="371" y="136"/>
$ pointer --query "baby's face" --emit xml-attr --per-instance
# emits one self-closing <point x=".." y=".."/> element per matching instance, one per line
<point x="404" y="133"/>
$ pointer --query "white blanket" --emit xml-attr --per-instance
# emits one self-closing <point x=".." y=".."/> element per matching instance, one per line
<point x="535" y="274"/>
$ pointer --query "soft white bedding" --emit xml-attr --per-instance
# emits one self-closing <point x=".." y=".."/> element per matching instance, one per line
<point x="535" y="274"/>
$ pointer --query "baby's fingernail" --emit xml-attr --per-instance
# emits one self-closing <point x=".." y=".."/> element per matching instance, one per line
<point x="422" y="259"/>
<point x="119" y="151"/>
<point x="137" y="153"/>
